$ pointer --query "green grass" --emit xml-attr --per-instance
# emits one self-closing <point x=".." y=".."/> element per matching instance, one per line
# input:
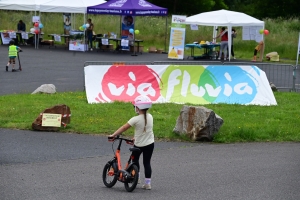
<point x="241" y="123"/>
<point x="283" y="37"/>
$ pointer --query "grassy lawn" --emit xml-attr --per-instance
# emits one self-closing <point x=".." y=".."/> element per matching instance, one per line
<point x="241" y="123"/>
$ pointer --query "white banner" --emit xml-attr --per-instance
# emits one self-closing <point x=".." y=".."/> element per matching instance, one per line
<point x="198" y="84"/>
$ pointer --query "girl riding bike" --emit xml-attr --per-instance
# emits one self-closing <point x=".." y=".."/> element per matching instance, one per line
<point x="143" y="135"/>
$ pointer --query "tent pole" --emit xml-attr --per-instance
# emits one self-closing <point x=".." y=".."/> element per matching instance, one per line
<point x="229" y="42"/>
<point x="165" y="52"/>
<point x="263" y="49"/>
<point x="134" y="52"/>
<point x="298" y="51"/>
<point x="120" y="27"/>
<point x="85" y="39"/>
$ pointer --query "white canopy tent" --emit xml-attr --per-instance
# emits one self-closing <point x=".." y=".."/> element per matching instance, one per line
<point x="67" y="6"/>
<point x="224" y="18"/>
<point x="28" y="5"/>
<point x="60" y="6"/>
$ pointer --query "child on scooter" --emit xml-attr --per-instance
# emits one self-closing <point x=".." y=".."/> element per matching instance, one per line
<point x="12" y="54"/>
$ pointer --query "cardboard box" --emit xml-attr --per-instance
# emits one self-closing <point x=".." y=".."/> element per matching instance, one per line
<point x="136" y="48"/>
<point x="159" y="51"/>
<point x="107" y="47"/>
<point x="47" y="42"/>
<point x="152" y="50"/>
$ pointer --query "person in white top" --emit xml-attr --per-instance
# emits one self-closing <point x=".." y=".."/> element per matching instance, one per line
<point x="143" y="135"/>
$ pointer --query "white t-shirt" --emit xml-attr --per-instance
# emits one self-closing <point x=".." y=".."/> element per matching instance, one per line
<point x="142" y="138"/>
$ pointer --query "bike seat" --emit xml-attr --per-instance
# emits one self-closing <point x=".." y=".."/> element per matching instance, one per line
<point x="134" y="149"/>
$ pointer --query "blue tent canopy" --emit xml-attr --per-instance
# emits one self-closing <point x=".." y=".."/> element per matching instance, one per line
<point x="128" y="7"/>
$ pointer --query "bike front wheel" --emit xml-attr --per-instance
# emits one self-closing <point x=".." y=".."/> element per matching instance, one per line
<point x="132" y="181"/>
<point x="109" y="175"/>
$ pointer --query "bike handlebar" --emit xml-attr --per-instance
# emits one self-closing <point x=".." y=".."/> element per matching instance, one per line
<point x="128" y="141"/>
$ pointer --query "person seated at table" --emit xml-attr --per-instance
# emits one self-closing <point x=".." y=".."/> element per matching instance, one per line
<point x="21" y="27"/>
<point x="224" y="42"/>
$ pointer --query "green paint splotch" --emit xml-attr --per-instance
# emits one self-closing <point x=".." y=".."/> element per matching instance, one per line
<point x="186" y="84"/>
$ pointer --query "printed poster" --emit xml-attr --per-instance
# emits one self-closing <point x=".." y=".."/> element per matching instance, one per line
<point x="5" y="37"/>
<point x="35" y="19"/>
<point x="252" y="33"/>
<point x="127" y="24"/>
<point x="195" y="84"/>
<point x="52" y="120"/>
<point x="177" y="37"/>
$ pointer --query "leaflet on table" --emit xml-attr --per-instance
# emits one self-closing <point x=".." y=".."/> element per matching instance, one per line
<point x="74" y="32"/>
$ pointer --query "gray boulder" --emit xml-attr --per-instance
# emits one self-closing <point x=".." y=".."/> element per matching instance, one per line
<point x="45" y="88"/>
<point x="198" y="123"/>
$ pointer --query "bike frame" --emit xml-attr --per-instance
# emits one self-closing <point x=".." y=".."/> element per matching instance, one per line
<point x="118" y="157"/>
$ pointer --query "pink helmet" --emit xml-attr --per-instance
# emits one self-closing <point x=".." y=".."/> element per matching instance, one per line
<point x="142" y="102"/>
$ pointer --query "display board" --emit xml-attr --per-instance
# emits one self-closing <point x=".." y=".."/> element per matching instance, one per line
<point x="177" y="37"/>
<point x="252" y="33"/>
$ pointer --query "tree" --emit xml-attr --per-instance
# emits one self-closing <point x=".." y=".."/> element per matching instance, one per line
<point x="190" y="7"/>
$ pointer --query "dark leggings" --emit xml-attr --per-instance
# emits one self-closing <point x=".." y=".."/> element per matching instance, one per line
<point x="90" y="38"/>
<point x="147" y="154"/>
<point x="255" y="52"/>
<point x="232" y="52"/>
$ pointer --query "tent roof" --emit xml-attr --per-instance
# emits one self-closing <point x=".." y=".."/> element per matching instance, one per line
<point x="223" y="18"/>
<point x="28" y="5"/>
<point x="64" y="6"/>
<point x="128" y="7"/>
<point x="68" y="6"/>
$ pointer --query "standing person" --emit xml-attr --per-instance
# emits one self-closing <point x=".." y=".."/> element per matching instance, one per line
<point x="233" y="35"/>
<point x="21" y="27"/>
<point x="67" y="25"/>
<point x="224" y="42"/>
<point x="12" y="54"/>
<point x="89" y="32"/>
<point x="257" y="49"/>
<point x="143" y="135"/>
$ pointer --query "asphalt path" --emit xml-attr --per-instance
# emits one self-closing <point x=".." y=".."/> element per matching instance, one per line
<point x="50" y="165"/>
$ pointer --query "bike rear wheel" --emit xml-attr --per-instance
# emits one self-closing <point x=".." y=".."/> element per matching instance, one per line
<point x="109" y="175"/>
<point x="131" y="183"/>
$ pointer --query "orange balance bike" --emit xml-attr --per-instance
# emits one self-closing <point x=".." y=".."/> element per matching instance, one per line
<point x="113" y="171"/>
